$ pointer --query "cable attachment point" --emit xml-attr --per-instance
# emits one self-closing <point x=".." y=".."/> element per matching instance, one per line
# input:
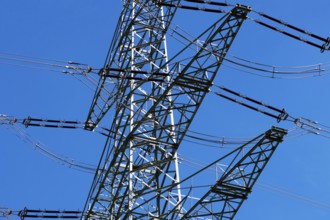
<point x="298" y="122"/>
<point x="283" y="116"/>
<point x="103" y="72"/>
<point x="326" y="45"/>
<point x="89" y="69"/>
<point x="4" y="119"/>
<point x="26" y="122"/>
<point x="157" y="2"/>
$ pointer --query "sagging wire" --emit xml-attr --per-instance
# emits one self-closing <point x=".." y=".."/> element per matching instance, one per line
<point x="273" y="71"/>
<point x="78" y="68"/>
<point x="222" y="142"/>
<point x="82" y="72"/>
<point x="247" y="66"/>
<point x="217" y="142"/>
<point x="10" y="124"/>
<point x="323" y="45"/>
<point x="278" y="72"/>
<point x="243" y="65"/>
<point x="9" y="121"/>
<point x="116" y="76"/>
<point x="62" y="159"/>
<point x="256" y="68"/>
<point x="214" y="141"/>
<point x="75" y="69"/>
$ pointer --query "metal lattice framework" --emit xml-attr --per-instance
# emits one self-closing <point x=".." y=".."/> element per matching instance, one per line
<point x="153" y="99"/>
<point x="151" y="116"/>
<point x="226" y="196"/>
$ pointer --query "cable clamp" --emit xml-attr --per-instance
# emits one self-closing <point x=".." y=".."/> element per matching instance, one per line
<point x="326" y="46"/>
<point x="283" y="116"/>
<point x="298" y="122"/>
<point x="26" y="122"/>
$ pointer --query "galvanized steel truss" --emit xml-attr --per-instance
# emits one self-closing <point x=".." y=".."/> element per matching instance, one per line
<point x="152" y="116"/>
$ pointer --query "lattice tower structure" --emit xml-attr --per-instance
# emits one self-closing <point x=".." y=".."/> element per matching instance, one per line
<point x="152" y="114"/>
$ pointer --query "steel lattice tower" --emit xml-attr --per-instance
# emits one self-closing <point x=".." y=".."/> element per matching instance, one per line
<point x="152" y="99"/>
<point x="155" y="99"/>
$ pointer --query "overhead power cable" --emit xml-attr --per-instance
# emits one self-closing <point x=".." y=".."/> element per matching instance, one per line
<point x="197" y="7"/>
<point x="255" y="68"/>
<point x="10" y="124"/>
<point x="308" y="125"/>
<point x="209" y="2"/>
<point x="202" y="139"/>
<point x="282" y="115"/>
<point x="323" y="46"/>
<point x="77" y="69"/>
<point x="63" y="124"/>
<point x="51" y="123"/>
<point x="49" y="214"/>
<point x="273" y="71"/>
<point x="41" y="213"/>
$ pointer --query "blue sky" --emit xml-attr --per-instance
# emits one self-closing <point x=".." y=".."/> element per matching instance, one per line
<point x="81" y="31"/>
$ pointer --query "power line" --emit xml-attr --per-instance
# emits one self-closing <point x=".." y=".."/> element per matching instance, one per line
<point x="308" y="125"/>
<point x="48" y="152"/>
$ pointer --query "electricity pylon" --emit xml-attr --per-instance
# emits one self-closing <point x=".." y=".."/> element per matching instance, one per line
<point x="155" y="99"/>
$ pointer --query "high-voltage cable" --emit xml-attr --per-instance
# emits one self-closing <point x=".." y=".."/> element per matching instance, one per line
<point x="282" y="113"/>
<point x="325" y="40"/>
<point x="195" y="8"/>
<point x="10" y="124"/>
<point x="81" y="72"/>
<point x="308" y="125"/>
<point x="149" y="76"/>
<point x="149" y="171"/>
<point x="209" y="2"/>
<point x="195" y="137"/>
<point x="49" y="214"/>
<point x="323" y="46"/>
<point x="77" y="69"/>
<point x="273" y="71"/>
<point x="51" y="123"/>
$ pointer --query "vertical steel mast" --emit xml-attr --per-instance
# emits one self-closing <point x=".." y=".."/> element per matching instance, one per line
<point x="138" y="51"/>
<point x="155" y="101"/>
